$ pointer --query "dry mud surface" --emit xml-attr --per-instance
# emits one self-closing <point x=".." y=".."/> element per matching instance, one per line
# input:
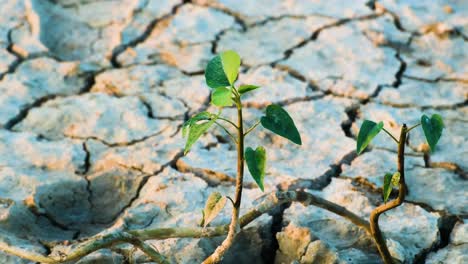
<point x="93" y="95"/>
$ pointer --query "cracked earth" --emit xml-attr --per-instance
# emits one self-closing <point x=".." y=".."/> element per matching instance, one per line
<point x="93" y="95"/>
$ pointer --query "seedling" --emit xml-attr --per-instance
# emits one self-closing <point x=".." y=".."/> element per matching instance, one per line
<point x="221" y="74"/>
<point x="432" y="128"/>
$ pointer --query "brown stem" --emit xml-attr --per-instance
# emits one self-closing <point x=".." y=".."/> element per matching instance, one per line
<point x="374" y="217"/>
<point x="97" y="242"/>
<point x="234" y="226"/>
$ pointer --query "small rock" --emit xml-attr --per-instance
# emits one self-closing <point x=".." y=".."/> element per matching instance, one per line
<point x="12" y="240"/>
<point x="373" y="165"/>
<point x="177" y="201"/>
<point x="134" y="80"/>
<point x="460" y="233"/>
<point x="275" y="86"/>
<point x="111" y="191"/>
<point x="424" y="94"/>
<point x="144" y="14"/>
<point x="156" y="83"/>
<point x="257" y="11"/>
<point x="383" y="32"/>
<point x="414" y="15"/>
<point x="6" y="59"/>
<point x="319" y="252"/>
<point x="148" y="156"/>
<point x="41" y="174"/>
<point x="189" y="58"/>
<point x="277" y="37"/>
<point x="293" y="243"/>
<point x="455" y="252"/>
<point x="438" y="188"/>
<point x="91" y="116"/>
<point x="177" y="41"/>
<point x="446" y="61"/>
<point x="193" y="91"/>
<point x="85" y="31"/>
<point x="418" y="233"/>
<point x="34" y="80"/>
<point x="351" y="65"/>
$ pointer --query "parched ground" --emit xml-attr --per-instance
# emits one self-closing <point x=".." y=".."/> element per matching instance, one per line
<point x="93" y="95"/>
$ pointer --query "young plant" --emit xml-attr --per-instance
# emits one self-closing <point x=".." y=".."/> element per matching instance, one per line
<point x="221" y="74"/>
<point x="432" y="128"/>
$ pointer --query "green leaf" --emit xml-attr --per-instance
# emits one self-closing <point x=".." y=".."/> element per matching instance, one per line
<point x="396" y="179"/>
<point x="367" y="132"/>
<point x="256" y="160"/>
<point x="390" y="180"/>
<point x="387" y="187"/>
<point x="247" y="88"/>
<point x="432" y="128"/>
<point x="231" y="63"/>
<point x="222" y="70"/>
<point x="222" y="97"/>
<point x="196" y="130"/>
<point x="213" y="207"/>
<point x="278" y="121"/>
<point x="198" y="117"/>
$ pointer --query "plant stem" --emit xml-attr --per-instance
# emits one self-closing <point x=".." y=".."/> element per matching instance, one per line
<point x="273" y="200"/>
<point x="146" y="248"/>
<point x="227" y="132"/>
<point x="390" y="134"/>
<point x="374" y="217"/>
<point x="229" y="121"/>
<point x="409" y="129"/>
<point x="234" y="227"/>
<point x="251" y="128"/>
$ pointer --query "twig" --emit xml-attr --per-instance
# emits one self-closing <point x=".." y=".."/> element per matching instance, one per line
<point x="24" y="253"/>
<point x="390" y="134"/>
<point x="227" y="132"/>
<point x="147" y="249"/>
<point x="98" y="242"/>
<point x="229" y="121"/>
<point x="411" y="128"/>
<point x="110" y="240"/>
<point x="118" y="237"/>
<point x="251" y="128"/>
<point x="374" y="217"/>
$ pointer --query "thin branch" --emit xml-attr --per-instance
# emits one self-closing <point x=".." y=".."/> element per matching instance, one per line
<point x="229" y="121"/>
<point x="374" y="217"/>
<point x="118" y="237"/>
<point x="92" y="245"/>
<point x="390" y="134"/>
<point x="236" y="93"/>
<point x="147" y="249"/>
<point x="271" y="201"/>
<point x="409" y="129"/>
<point x="230" y="199"/>
<point x="227" y="132"/>
<point x="110" y="240"/>
<point x="24" y="253"/>
<point x="251" y="128"/>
